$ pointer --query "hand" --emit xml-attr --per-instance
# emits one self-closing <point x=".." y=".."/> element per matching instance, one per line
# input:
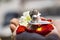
<point x="15" y="22"/>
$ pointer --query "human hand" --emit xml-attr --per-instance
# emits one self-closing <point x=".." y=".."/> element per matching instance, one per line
<point x="15" y="22"/>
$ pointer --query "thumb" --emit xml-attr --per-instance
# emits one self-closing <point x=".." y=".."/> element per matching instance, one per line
<point x="12" y="27"/>
<point x="13" y="24"/>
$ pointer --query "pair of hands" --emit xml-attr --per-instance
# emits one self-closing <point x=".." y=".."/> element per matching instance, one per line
<point x="15" y="22"/>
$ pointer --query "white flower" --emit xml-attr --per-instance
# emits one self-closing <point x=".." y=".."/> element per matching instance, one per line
<point x="25" y="18"/>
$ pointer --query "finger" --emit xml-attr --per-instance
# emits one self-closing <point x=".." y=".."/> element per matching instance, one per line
<point x="12" y="27"/>
<point x="42" y="18"/>
<point x="50" y="20"/>
<point x="14" y="21"/>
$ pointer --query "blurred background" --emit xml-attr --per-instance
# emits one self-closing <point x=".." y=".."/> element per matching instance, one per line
<point x="14" y="8"/>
